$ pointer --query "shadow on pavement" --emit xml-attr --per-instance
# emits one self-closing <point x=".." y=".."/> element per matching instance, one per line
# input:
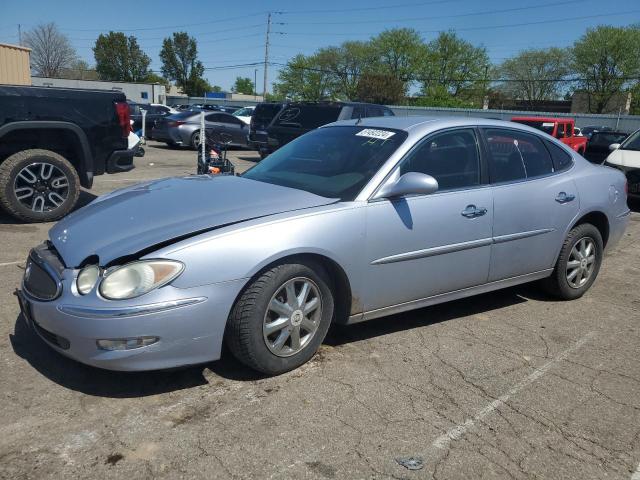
<point x="104" y="383"/>
<point x="340" y="335"/>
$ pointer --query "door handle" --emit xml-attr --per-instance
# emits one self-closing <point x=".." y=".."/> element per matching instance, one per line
<point x="564" y="197"/>
<point x="472" y="211"/>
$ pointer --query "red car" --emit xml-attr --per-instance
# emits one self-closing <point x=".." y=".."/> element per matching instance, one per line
<point x="560" y="128"/>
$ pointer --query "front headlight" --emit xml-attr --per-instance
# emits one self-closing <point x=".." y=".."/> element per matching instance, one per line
<point x="138" y="278"/>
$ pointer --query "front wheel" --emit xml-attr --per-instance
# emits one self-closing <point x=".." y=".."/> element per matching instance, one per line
<point x="281" y="318"/>
<point x="38" y="185"/>
<point x="578" y="263"/>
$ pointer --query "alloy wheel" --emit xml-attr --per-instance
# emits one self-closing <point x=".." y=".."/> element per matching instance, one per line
<point x="41" y="187"/>
<point x="293" y="316"/>
<point x="581" y="262"/>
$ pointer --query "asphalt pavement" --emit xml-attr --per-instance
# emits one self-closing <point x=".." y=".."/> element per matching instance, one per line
<point x="511" y="384"/>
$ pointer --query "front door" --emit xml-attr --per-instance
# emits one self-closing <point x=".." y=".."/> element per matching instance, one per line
<point x="534" y="200"/>
<point x="421" y="246"/>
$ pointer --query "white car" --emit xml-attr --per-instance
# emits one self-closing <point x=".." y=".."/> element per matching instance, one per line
<point x="625" y="156"/>
<point x="244" y="114"/>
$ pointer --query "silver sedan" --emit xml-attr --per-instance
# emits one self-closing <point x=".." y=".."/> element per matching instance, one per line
<point x="356" y="220"/>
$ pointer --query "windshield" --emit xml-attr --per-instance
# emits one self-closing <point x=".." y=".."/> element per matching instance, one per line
<point x="632" y="143"/>
<point x="243" y="112"/>
<point x="333" y="162"/>
<point x="546" y="127"/>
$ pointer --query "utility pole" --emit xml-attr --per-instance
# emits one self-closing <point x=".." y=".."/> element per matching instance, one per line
<point x="19" y="35"/>
<point x="255" y="84"/>
<point x="266" y="57"/>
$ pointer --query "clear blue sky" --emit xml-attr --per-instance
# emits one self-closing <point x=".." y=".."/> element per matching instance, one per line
<point x="232" y="33"/>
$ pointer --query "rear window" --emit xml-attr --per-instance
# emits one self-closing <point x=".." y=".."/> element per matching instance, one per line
<point x="308" y="116"/>
<point x="184" y="115"/>
<point x="604" y="139"/>
<point x="561" y="159"/>
<point x="266" y="111"/>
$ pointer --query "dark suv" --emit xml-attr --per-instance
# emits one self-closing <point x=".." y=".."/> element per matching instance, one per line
<point x="292" y="119"/>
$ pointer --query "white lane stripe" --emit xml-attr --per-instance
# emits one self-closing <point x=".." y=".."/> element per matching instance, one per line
<point x="10" y="263"/>
<point x="458" y="431"/>
<point x="636" y="474"/>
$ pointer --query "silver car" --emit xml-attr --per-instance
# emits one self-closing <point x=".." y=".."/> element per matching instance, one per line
<point x="353" y="221"/>
<point x="183" y="129"/>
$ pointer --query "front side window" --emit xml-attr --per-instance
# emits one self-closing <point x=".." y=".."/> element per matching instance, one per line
<point x="333" y="162"/>
<point x="449" y="157"/>
<point x="515" y="155"/>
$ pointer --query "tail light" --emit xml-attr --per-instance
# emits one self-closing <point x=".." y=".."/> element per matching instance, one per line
<point x="175" y="123"/>
<point x="124" y="118"/>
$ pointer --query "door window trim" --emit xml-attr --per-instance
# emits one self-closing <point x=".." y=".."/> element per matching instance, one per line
<point x="482" y="131"/>
<point x="484" y="172"/>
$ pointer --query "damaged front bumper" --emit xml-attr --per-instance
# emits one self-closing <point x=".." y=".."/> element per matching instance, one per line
<point x="186" y="325"/>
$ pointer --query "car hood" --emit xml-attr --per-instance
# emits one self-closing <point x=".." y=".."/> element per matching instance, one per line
<point x="624" y="158"/>
<point x="136" y="218"/>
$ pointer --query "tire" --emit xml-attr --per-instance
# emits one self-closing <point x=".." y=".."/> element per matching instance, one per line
<point x="195" y="140"/>
<point x="55" y="191"/>
<point x="559" y="283"/>
<point x="263" y="154"/>
<point x="247" y="334"/>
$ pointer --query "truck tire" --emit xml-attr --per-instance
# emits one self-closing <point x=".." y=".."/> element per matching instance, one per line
<point x="38" y="186"/>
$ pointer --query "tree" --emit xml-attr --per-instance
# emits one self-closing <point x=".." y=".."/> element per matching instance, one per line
<point x="399" y="53"/>
<point x="307" y="77"/>
<point x="79" y="70"/>
<point x="534" y="75"/>
<point x="120" y="58"/>
<point x="243" y="85"/>
<point x="155" y="78"/>
<point x="51" y="51"/>
<point x="606" y="59"/>
<point x="179" y="56"/>
<point x="455" y="65"/>
<point x="349" y="61"/>
<point x="380" y="88"/>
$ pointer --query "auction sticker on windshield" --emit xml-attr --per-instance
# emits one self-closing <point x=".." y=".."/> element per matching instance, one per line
<point x="374" y="133"/>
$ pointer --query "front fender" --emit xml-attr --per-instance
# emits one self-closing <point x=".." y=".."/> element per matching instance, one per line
<point x="240" y="251"/>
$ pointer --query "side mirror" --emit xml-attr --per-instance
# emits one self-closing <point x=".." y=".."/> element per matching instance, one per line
<point x="614" y="146"/>
<point x="412" y="183"/>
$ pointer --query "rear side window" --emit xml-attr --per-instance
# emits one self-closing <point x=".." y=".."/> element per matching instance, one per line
<point x="215" y="117"/>
<point x="387" y="112"/>
<point x="515" y="155"/>
<point x="561" y="159"/>
<point x="308" y="116"/>
<point x="449" y="157"/>
<point x="374" y="111"/>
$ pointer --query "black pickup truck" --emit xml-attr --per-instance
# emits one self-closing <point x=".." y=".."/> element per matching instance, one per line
<point x="55" y="140"/>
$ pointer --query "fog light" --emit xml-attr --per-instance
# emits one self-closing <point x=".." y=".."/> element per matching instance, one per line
<point x="126" y="343"/>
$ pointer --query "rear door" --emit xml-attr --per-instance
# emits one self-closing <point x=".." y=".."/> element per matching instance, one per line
<point x="534" y="199"/>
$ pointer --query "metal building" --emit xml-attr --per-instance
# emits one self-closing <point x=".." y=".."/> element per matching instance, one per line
<point x="14" y="65"/>
<point x="136" y="92"/>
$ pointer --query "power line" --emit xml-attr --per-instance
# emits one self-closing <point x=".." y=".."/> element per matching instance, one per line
<point x="166" y="27"/>
<point x="369" y="8"/>
<point x="435" y="17"/>
<point x="139" y="39"/>
<point x="486" y="27"/>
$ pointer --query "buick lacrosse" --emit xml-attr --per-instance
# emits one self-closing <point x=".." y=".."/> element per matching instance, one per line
<point x="353" y="221"/>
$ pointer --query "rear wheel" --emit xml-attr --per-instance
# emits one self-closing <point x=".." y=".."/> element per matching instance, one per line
<point x="578" y="263"/>
<point x="38" y="185"/>
<point x="282" y="317"/>
<point x="195" y="139"/>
